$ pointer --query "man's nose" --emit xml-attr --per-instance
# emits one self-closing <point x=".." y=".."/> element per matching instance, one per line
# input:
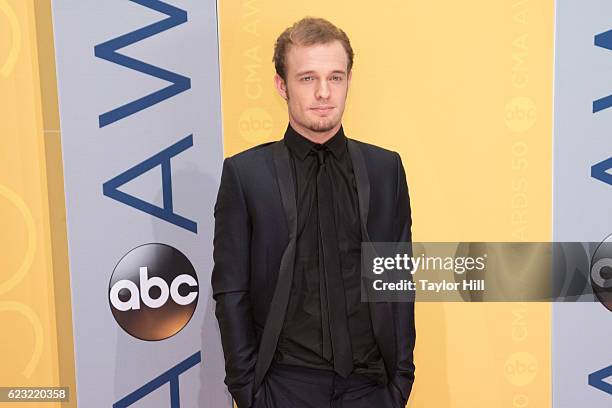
<point x="322" y="91"/>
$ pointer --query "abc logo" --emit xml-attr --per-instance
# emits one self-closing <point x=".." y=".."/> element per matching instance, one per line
<point x="153" y="291"/>
<point x="255" y="124"/>
<point x="520" y="368"/>
<point x="601" y="272"/>
<point x="520" y="114"/>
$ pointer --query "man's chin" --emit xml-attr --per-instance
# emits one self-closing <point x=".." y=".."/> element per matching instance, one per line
<point x="321" y="127"/>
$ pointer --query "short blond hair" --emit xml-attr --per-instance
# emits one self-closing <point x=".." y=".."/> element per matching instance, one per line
<point x="309" y="31"/>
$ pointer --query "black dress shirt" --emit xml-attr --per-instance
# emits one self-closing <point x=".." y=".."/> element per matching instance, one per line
<point x="306" y="327"/>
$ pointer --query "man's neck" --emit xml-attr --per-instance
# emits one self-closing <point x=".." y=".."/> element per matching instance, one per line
<point x="315" y="137"/>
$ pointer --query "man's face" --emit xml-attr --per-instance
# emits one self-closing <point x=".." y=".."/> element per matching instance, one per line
<point x="316" y="87"/>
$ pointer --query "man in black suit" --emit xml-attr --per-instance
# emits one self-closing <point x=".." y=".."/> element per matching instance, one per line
<point x="289" y="221"/>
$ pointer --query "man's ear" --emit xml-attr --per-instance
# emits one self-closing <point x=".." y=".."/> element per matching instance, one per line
<point x="281" y="86"/>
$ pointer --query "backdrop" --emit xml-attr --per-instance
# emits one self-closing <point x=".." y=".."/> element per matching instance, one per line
<point x="116" y="116"/>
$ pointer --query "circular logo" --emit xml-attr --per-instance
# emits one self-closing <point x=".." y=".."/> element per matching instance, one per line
<point x="10" y="29"/>
<point x="520" y="368"/>
<point x="520" y="114"/>
<point x="255" y="125"/>
<point x="153" y="291"/>
<point x="601" y="272"/>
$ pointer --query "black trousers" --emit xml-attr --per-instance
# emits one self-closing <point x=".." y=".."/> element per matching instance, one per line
<point x="296" y="387"/>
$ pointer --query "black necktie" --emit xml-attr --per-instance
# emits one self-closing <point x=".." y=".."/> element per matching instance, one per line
<point x="332" y="274"/>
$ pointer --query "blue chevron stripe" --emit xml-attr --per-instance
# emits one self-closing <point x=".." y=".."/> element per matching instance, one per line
<point x="599" y="171"/>
<point x="598" y="379"/>
<point x="603" y="40"/>
<point x="108" y="51"/>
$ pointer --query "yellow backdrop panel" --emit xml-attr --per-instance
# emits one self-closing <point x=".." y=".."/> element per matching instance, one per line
<point x="463" y="90"/>
<point x="35" y="313"/>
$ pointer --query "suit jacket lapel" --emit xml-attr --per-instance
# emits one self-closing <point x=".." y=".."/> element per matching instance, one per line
<point x="380" y="312"/>
<point x="280" y="299"/>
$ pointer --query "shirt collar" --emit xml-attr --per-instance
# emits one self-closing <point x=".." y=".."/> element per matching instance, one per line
<point x="300" y="146"/>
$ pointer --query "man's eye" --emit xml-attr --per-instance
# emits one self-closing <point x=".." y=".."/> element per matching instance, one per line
<point x="308" y="78"/>
<point x="336" y="78"/>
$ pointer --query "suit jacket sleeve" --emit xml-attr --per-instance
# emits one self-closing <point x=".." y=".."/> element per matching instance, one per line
<point x="403" y="313"/>
<point x="230" y="285"/>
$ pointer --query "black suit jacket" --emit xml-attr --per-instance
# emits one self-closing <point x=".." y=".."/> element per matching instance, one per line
<point x="254" y="252"/>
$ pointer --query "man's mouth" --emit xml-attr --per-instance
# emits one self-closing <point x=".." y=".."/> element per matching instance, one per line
<point x="322" y="109"/>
